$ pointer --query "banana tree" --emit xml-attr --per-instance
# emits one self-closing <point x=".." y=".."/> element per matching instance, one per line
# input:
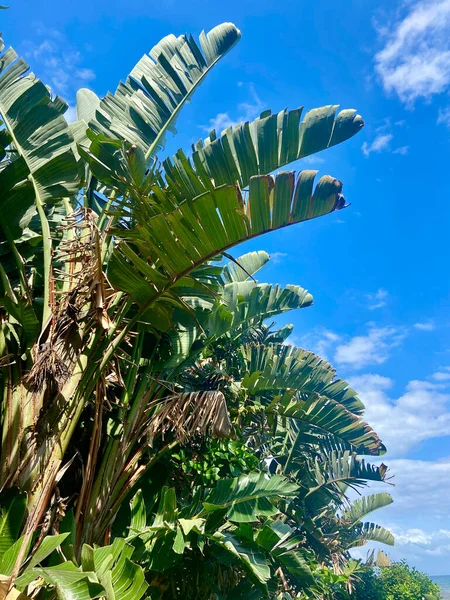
<point x="110" y="285"/>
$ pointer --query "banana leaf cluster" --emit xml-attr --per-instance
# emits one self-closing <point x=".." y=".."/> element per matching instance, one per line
<point x="159" y="437"/>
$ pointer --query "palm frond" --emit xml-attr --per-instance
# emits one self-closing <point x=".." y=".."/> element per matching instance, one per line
<point x="42" y="147"/>
<point x="268" y="143"/>
<point x="176" y="243"/>
<point x="371" y="532"/>
<point x="279" y="367"/>
<point x="363" y="506"/>
<point x="148" y="103"/>
<point x="332" y="419"/>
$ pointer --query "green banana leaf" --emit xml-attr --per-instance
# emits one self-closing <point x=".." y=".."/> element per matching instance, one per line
<point x="360" y="508"/>
<point x="268" y="143"/>
<point x="147" y="105"/>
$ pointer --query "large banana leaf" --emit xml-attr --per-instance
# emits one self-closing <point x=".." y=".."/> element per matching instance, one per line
<point x="245" y="266"/>
<point x="148" y="103"/>
<point x="331" y="418"/>
<point x="46" y="547"/>
<point x="106" y="572"/>
<point x="342" y="468"/>
<point x="258" y="148"/>
<point x="68" y="581"/>
<point x="243" y="305"/>
<point x="41" y="165"/>
<point x="247" y="555"/>
<point x="360" y="508"/>
<point x="175" y="244"/>
<point x="40" y="136"/>
<point x="371" y="532"/>
<point x="283" y="542"/>
<point x="248" y="496"/>
<point x="251" y="302"/>
<point x="246" y="303"/>
<point x="280" y="368"/>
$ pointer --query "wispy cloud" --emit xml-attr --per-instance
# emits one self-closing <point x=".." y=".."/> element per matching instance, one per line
<point x="57" y="62"/>
<point x="403" y="150"/>
<point x="220" y="122"/>
<point x="369" y="349"/>
<point x="444" y="116"/>
<point x="313" y="160"/>
<point x="378" y="299"/>
<point x="355" y="352"/>
<point x="277" y="257"/>
<point x="246" y="111"/>
<point x="415" y="59"/>
<point x="425" y="326"/>
<point x="442" y="375"/>
<point x="320" y="341"/>
<point x="380" y="143"/>
<point x="383" y="139"/>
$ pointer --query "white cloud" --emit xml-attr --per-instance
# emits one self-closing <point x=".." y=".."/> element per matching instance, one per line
<point x="422" y="488"/>
<point x="85" y="74"/>
<point x="426" y="326"/>
<point x="439" y="376"/>
<point x="420" y="413"/>
<point x="355" y="352"/>
<point x="442" y="375"/>
<point x="372" y="348"/>
<point x="57" y="62"/>
<point x="381" y="142"/>
<point x="220" y="122"/>
<point x="418" y="518"/>
<point x="378" y="299"/>
<point x="313" y="160"/>
<point x="411" y="536"/>
<point x="320" y="341"/>
<point x="247" y="111"/>
<point x="277" y="257"/>
<point x="415" y="59"/>
<point x="403" y="150"/>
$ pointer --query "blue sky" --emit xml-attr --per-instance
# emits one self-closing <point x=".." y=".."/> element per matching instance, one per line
<point x="378" y="270"/>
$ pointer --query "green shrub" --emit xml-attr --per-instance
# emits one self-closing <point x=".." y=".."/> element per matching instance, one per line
<point x="396" y="582"/>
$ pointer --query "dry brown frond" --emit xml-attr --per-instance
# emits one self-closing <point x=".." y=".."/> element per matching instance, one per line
<point x="383" y="559"/>
<point x="82" y="299"/>
<point x="192" y="413"/>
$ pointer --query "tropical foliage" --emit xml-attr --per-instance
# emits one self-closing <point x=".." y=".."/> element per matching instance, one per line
<point x="159" y="437"/>
<point x="397" y="581"/>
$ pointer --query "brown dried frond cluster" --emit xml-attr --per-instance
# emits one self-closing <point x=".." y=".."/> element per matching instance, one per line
<point x="49" y="367"/>
<point x="85" y="287"/>
<point x="79" y="296"/>
<point x="192" y="413"/>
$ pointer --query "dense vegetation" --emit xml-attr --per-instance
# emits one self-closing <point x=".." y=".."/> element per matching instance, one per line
<point x="159" y="437"/>
<point x="398" y="581"/>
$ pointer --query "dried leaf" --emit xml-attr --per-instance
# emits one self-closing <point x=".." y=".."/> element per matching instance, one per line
<point x="193" y="413"/>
